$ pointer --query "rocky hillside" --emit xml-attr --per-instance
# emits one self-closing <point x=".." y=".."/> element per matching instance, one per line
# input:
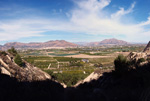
<point x="49" y="44"/>
<point x="13" y="90"/>
<point x="141" y="57"/>
<point x="27" y="72"/>
<point x="147" y="48"/>
<point x="93" y="76"/>
<point x="129" y="81"/>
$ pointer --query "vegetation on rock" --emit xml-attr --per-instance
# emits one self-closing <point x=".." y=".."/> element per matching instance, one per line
<point x="3" y="53"/>
<point x="121" y="64"/>
<point x="12" y="51"/>
<point x="18" y="60"/>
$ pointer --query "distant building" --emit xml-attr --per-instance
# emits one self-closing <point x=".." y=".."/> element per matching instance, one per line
<point x="85" y="60"/>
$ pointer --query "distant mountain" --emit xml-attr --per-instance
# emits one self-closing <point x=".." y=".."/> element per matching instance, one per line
<point x="81" y="43"/>
<point x="93" y="44"/>
<point x="112" y="41"/>
<point x="49" y="44"/>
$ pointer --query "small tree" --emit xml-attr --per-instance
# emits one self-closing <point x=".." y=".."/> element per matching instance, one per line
<point x="18" y="60"/>
<point x="141" y="60"/>
<point x="3" y="53"/>
<point x="13" y="51"/>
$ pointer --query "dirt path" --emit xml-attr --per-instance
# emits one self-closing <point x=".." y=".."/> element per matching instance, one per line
<point x="87" y="56"/>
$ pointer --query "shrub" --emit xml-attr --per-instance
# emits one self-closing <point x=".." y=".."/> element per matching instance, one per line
<point x="121" y="64"/>
<point x="148" y="59"/>
<point x="12" y="51"/>
<point x="3" y="53"/>
<point x="18" y="60"/>
<point x="141" y="60"/>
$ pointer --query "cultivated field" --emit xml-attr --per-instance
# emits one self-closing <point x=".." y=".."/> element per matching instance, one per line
<point x="73" y="64"/>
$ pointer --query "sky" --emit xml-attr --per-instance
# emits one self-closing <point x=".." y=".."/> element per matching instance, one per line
<point x="74" y="20"/>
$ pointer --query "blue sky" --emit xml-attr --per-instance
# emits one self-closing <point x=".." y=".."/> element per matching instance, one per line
<point x="74" y="20"/>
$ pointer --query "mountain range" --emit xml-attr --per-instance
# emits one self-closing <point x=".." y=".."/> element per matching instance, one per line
<point x="38" y="45"/>
<point x="112" y="41"/>
<point x="60" y="43"/>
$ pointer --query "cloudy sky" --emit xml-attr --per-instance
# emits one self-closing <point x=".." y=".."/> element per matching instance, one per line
<point x="74" y="20"/>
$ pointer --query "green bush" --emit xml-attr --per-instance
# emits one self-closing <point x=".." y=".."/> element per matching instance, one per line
<point x="121" y="64"/>
<point x="12" y="51"/>
<point x="148" y="59"/>
<point x="141" y="60"/>
<point x="18" y="60"/>
<point x="3" y="53"/>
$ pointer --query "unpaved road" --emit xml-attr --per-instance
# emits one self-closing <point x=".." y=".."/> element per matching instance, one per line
<point x="87" y="56"/>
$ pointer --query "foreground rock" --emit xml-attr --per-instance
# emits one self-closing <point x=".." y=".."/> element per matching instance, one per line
<point x="93" y="76"/>
<point x="26" y="73"/>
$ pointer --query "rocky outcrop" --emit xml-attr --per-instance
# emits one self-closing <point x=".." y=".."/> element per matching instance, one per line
<point x="26" y="73"/>
<point x="13" y="90"/>
<point x="144" y="56"/>
<point x="137" y="55"/>
<point x="147" y="48"/>
<point x="4" y="71"/>
<point x="93" y="76"/>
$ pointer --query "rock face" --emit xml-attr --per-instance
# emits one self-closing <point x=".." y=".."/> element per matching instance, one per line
<point x="147" y="48"/>
<point x="137" y="55"/>
<point x="93" y="76"/>
<point x="57" y="43"/>
<point x="26" y="73"/>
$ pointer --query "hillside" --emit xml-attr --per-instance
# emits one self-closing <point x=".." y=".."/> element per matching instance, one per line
<point x="34" y="45"/>
<point x="26" y="72"/>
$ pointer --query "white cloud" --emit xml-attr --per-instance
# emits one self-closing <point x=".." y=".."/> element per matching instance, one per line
<point x="92" y="5"/>
<point x="122" y="12"/>
<point x="95" y="22"/>
<point x="145" y="23"/>
<point x="87" y="17"/>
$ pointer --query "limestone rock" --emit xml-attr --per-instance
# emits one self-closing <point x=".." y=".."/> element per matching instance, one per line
<point x="4" y="71"/>
<point x="147" y="48"/>
<point x="25" y="73"/>
<point x="137" y="55"/>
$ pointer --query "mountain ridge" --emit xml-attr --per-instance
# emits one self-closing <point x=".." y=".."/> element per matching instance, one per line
<point x="111" y="41"/>
<point x="38" y="45"/>
<point x="61" y="43"/>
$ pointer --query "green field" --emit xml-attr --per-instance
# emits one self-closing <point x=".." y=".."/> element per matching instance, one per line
<point x="70" y="70"/>
<point x="54" y="54"/>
